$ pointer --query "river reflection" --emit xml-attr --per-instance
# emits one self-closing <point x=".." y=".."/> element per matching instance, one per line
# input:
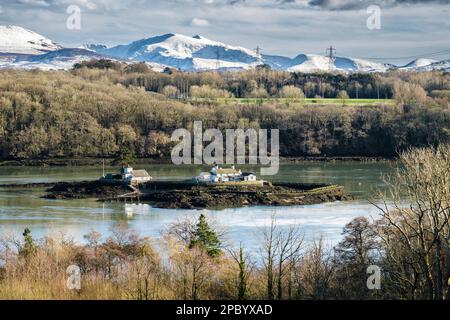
<point x="21" y="207"/>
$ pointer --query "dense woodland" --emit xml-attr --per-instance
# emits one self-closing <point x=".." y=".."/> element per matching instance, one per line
<point x="100" y="109"/>
<point x="408" y="245"/>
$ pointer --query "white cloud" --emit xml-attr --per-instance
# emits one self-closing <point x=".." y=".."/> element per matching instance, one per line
<point x="42" y="3"/>
<point x="89" y="4"/>
<point x="197" y="22"/>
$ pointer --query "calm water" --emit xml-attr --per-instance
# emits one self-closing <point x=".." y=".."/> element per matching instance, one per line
<point x="21" y="207"/>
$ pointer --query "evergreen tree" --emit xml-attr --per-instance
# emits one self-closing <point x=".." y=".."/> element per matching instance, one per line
<point x="242" y="294"/>
<point x="204" y="236"/>
<point x="125" y="157"/>
<point x="29" y="245"/>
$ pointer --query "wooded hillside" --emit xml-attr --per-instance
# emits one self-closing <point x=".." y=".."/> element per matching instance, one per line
<point x="91" y="112"/>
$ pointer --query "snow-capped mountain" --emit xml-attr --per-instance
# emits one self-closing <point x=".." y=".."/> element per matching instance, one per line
<point x="438" y="65"/>
<point x="198" y="53"/>
<point x="314" y="63"/>
<point x="18" y="40"/>
<point x="22" y="48"/>
<point x="62" y="59"/>
<point x="186" y="53"/>
<point x="422" y="65"/>
<point x="418" y="63"/>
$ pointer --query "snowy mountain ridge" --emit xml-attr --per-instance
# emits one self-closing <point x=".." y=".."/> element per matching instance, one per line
<point x="18" y="40"/>
<point x="25" y="49"/>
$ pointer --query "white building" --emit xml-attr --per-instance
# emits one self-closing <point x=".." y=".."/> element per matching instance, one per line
<point x="218" y="175"/>
<point x="249" y="176"/>
<point x="129" y="176"/>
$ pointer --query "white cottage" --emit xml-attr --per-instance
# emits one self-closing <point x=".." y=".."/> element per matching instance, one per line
<point x="219" y="175"/>
<point x="128" y="176"/>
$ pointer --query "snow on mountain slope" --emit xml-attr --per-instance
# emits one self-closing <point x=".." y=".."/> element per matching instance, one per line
<point x="316" y="63"/>
<point x="439" y="65"/>
<point x="369" y="66"/>
<point x="310" y="63"/>
<point x="209" y="64"/>
<point x="185" y="53"/>
<point x="56" y="60"/>
<point x="19" y="40"/>
<point x="418" y="63"/>
<point x="422" y="65"/>
<point x="198" y="53"/>
<point x="278" y="62"/>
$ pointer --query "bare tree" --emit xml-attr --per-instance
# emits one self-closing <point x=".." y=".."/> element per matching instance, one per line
<point x="281" y="250"/>
<point x="269" y="255"/>
<point x="422" y="227"/>
<point x="316" y="271"/>
<point x="145" y="273"/>
<point x="359" y="249"/>
<point x="193" y="271"/>
<point x="289" y="244"/>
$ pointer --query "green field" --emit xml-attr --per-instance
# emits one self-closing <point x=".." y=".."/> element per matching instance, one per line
<point x="309" y="101"/>
<point x="350" y="101"/>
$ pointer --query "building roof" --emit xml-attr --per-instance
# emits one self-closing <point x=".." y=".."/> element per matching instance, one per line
<point x="246" y="174"/>
<point x="227" y="171"/>
<point x="140" y="174"/>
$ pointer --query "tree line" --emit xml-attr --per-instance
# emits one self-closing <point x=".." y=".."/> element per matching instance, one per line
<point x="94" y="112"/>
<point x="263" y="82"/>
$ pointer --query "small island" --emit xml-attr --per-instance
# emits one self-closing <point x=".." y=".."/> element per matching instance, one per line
<point x="218" y="188"/>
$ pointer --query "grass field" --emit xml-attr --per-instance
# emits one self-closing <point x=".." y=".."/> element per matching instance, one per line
<point x="350" y="101"/>
<point x="309" y="101"/>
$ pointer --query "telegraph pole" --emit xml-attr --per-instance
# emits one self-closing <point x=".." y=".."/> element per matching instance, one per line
<point x="330" y="54"/>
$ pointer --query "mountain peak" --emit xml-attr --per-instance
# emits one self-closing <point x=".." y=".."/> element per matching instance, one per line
<point x="419" y="63"/>
<point x="18" y="40"/>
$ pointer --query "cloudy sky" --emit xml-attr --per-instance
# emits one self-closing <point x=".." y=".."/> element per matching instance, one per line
<point x="409" y="28"/>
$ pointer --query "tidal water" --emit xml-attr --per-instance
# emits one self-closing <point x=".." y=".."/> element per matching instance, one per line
<point x="23" y="207"/>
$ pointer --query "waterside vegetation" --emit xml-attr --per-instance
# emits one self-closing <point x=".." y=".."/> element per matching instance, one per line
<point x="409" y="245"/>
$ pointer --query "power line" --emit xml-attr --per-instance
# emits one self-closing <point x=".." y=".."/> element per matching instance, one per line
<point x="425" y="55"/>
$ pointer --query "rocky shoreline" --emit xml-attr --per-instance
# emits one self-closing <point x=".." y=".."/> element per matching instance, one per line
<point x="190" y="195"/>
<point x="86" y="189"/>
<point x="227" y="196"/>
